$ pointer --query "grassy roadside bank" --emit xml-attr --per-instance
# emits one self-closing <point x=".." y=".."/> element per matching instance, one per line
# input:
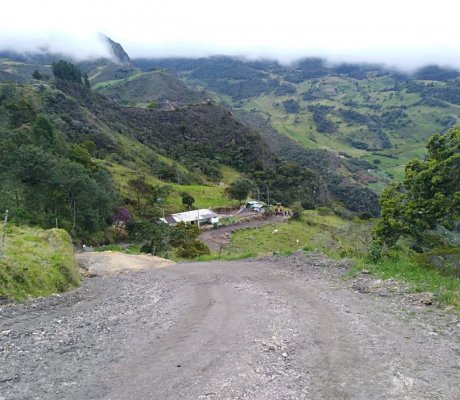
<point x="341" y="238"/>
<point x="38" y="263"/>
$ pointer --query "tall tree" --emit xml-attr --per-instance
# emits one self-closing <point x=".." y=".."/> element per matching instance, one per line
<point x="37" y="75"/>
<point x="142" y="189"/>
<point x="66" y="71"/>
<point x="187" y="199"/>
<point x="240" y="189"/>
<point x="43" y="132"/>
<point x="429" y="195"/>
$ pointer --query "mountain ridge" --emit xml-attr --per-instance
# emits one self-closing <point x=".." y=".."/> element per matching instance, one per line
<point x="366" y="111"/>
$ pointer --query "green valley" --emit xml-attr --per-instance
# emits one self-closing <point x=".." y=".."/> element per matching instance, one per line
<point x="365" y="111"/>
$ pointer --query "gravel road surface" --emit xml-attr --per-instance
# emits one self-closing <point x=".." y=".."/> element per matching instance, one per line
<point x="272" y="328"/>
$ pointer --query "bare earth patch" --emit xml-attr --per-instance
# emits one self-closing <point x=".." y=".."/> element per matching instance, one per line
<point x="109" y="262"/>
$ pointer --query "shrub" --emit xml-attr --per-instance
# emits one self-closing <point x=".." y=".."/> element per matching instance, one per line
<point x="192" y="249"/>
<point x="297" y="210"/>
<point x="365" y="215"/>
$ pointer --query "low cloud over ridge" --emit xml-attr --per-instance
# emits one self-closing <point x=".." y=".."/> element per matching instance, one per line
<point x="393" y="33"/>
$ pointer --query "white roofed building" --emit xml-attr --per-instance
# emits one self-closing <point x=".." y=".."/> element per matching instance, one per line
<point x="201" y="216"/>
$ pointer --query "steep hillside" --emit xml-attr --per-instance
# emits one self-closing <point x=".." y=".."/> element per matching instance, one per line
<point x="61" y="164"/>
<point x="70" y="156"/>
<point x="345" y="177"/>
<point x="21" y="71"/>
<point x="202" y="136"/>
<point x="192" y="134"/>
<point x="152" y="89"/>
<point x="365" y="111"/>
<point x="120" y="82"/>
<point x="18" y="67"/>
<point x="119" y="55"/>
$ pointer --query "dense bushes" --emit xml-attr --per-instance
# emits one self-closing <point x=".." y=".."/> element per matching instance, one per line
<point x="284" y="89"/>
<point x="429" y="196"/>
<point x="192" y="249"/>
<point x="158" y="238"/>
<point x="291" y="106"/>
<point x="323" y="123"/>
<point x="45" y="181"/>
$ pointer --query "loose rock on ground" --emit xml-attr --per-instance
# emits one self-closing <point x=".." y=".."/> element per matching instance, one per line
<point x="271" y="328"/>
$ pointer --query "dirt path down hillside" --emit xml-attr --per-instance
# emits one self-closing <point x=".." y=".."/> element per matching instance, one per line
<point x="265" y="329"/>
<point x="215" y="239"/>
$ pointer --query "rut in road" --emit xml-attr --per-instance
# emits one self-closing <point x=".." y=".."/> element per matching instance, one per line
<point x="273" y="328"/>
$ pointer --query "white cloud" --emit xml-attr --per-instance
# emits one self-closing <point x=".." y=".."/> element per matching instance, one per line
<point x="404" y="33"/>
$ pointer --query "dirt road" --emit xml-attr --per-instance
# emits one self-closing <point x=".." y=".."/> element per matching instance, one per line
<point x="274" y="328"/>
<point x="215" y="239"/>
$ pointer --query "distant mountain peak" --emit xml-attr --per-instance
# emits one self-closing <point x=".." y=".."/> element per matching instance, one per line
<point x="118" y="53"/>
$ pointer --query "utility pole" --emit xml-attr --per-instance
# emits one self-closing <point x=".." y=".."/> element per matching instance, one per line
<point x="4" y="235"/>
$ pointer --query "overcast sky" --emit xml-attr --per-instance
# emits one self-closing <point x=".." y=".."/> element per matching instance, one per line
<point x="402" y="33"/>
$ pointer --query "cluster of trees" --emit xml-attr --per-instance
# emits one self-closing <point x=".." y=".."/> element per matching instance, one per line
<point x="291" y="106"/>
<point x="158" y="238"/>
<point x="428" y="197"/>
<point x="67" y="71"/>
<point x="44" y="180"/>
<point x="323" y="123"/>
<point x="284" y="89"/>
<point x="148" y="196"/>
<point x="355" y="117"/>
<point x="285" y="183"/>
<point x="39" y="76"/>
<point x="357" y="71"/>
<point x="436" y="73"/>
<point x="355" y="198"/>
<point x="307" y="68"/>
<point x="435" y="96"/>
<point x="240" y="189"/>
<point x="394" y="119"/>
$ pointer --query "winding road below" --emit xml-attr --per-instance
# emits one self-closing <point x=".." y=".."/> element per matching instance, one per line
<point x="215" y="239"/>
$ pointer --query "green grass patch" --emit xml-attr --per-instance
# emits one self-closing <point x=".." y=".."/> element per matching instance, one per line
<point x="229" y="174"/>
<point x="422" y="278"/>
<point x="224" y="257"/>
<point x="38" y="263"/>
<point x="372" y="96"/>
<point x="131" y="249"/>
<point x="327" y="233"/>
<point x="339" y="238"/>
<point x="206" y="196"/>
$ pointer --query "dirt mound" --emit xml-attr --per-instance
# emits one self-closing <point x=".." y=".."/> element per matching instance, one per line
<point x="109" y="262"/>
